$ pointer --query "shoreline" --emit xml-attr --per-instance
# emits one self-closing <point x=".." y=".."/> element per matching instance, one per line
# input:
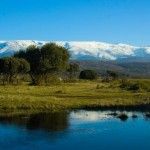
<point x="71" y="96"/>
<point x="133" y="108"/>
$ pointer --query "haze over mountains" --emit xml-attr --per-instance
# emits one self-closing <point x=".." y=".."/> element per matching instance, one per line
<point x="84" y="50"/>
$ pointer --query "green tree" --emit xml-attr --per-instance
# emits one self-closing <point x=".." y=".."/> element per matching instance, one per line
<point x="72" y="70"/>
<point x="24" y="66"/>
<point x="111" y="74"/>
<point x="11" y="67"/>
<point x="46" y="60"/>
<point x="88" y="75"/>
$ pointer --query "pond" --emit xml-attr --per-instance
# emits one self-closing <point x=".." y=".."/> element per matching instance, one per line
<point x="76" y="130"/>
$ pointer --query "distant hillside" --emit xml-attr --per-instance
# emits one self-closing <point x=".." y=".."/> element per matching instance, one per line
<point x="133" y="69"/>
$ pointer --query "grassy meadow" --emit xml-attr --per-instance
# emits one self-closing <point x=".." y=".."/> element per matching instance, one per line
<point x="66" y="96"/>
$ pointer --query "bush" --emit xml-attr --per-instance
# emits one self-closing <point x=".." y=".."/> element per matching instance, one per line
<point x="97" y="86"/>
<point x="73" y="70"/>
<point x="145" y="85"/>
<point x="88" y="75"/>
<point x="11" y="68"/>
<point x="131" y="86"/>
<point x="112" y="75"/>
<point x="134" y="87"/>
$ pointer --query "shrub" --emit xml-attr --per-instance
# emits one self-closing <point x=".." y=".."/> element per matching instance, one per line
<point x="111" y="74"/>
<point x="11" y="67"/>
<point x="145" y="85"/>
<point x="131" y="86"/>
<point x="72" y="70"/>
<point x="97" y="86"/>
<point x="88" y="75"/>
<point x="134" y="87"/>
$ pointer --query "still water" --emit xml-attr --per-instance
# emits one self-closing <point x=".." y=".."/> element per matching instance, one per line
<point x="77" y="130"/>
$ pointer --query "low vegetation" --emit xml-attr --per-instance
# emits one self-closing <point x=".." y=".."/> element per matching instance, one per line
<point x="135" y="85"/>
<point x="50" y="82"/>
<point x="66" y="96"/>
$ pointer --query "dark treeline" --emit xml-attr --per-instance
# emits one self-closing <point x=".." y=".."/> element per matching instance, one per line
<point x="44" y="65"/>
<point x="11" y="68"/>
<point x="46" y="61"/>
<point x="39" y="64"/>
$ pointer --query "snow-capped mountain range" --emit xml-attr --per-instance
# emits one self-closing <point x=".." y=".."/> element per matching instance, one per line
<point x="82" y="50"/>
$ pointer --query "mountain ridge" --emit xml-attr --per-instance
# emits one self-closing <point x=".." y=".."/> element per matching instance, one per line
<point x="83" y="50"/>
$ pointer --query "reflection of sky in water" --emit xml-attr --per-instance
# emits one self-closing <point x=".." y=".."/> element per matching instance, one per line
<point x="78" y="130"/>
<point x="89" y="115"/>
<point x="93" y="116"/>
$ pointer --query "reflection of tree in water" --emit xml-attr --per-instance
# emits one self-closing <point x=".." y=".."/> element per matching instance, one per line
<point x="45" y="121"/>
<point x="49" y="122"/>
<point x="147" y="116"/>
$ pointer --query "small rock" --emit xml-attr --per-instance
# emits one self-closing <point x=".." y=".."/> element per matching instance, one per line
<point x="147" y="115"/>
<point x="134" y="116"/>
<point x="123" y="117"/>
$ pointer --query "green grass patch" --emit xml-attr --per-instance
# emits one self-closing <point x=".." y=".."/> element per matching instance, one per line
<point x="24" y="98"/>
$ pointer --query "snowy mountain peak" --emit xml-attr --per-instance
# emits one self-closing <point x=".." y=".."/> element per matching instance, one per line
<point x="81" y="50"/>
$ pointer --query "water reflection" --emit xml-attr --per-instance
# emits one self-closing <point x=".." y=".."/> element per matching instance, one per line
<point x="147" y="116"/>
<point x="76" y="130"/>
<point x="103" y="115"/>
<point x="54" y="122"/>
<point x="44" y="121"/>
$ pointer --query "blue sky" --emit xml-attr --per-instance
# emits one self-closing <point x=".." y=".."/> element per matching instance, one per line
<point x="115" y="21"/>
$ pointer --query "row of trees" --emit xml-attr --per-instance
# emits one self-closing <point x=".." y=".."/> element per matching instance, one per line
<point x="41" y="63"/>
<point x="45" y="61"/>
<point x="11" y="68"/>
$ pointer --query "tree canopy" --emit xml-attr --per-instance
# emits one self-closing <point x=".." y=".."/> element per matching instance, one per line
<point x="11" y="67"/>
<point x="73" y="69"/>
<point x="46" y="59"/>
<point x="112" y="74"/>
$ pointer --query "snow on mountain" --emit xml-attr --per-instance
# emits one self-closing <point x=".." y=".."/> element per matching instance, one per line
<point x="81" y="50"/>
